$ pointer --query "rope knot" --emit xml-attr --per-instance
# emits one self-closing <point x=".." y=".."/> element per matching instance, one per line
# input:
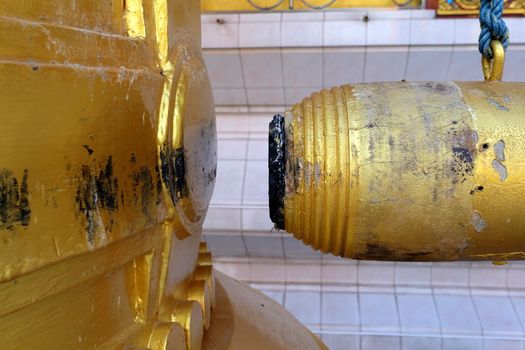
<point x="492" y="26"/>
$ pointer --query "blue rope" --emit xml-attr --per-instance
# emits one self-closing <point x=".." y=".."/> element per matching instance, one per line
<point x="492" y="26"/>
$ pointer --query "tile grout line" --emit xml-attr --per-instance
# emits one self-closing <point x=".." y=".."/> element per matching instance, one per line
<point x="435" y="304"/>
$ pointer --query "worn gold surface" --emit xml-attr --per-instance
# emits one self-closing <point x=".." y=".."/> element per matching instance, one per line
<point x="107" y="164"/>
<point x="409" y="171"/>
<point x="277" y="5"/>
<point x="471" y="7"/>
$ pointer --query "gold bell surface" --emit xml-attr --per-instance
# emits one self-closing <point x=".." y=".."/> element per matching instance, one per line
<point x="424" y="171"/>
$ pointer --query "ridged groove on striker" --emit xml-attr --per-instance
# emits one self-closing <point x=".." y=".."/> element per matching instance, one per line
<point x="319" y="207"/>
<point x="298" y="146"/>
<point x="318" y="146"/>
<point x="308" y="153"/>
<point x="329" y="134"/>
<point x="344" y="166"/>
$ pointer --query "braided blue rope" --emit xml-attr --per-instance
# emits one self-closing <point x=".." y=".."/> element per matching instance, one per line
<point x="492" y="26"/>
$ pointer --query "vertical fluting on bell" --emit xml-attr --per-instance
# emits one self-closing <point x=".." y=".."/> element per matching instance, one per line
<point x="317" y="161"/>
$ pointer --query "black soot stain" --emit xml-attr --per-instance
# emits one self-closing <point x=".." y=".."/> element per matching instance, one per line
<point x="94" y="192"/>
<point x="144" y="189"/>
<point x="173" y="168"/>
<point x="14" y="200"/>
<point x="378" y="251"/>
<point x="88" y="149"/>
<point x="159" y="183"/>
<point x="463" y="145"/>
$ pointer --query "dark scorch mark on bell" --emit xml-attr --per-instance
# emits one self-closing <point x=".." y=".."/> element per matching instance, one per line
<point x="88" y="149"/>
<point x="173" y="168"/>
<point x="144" y="189"/>
<point x="94" y="192"/>
<point x="14" y="200"/>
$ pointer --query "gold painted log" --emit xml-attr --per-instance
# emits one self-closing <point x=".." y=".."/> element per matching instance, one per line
<point x="404" y="171"/>
<point x="107" y="166"/>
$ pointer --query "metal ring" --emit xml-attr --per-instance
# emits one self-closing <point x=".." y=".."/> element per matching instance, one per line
<point x="321" y="7"/>
<point x="269" y="8"/>
<point x="493" y="68"/>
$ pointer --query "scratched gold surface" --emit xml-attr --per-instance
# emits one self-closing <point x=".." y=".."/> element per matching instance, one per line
<point x="405" y="171"/>
<point x="99" y="236"/>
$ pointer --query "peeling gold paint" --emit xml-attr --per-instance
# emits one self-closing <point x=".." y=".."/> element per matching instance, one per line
<point x="406" y="170"/>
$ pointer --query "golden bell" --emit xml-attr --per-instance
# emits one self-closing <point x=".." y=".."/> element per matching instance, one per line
<point x="423" y="171"/>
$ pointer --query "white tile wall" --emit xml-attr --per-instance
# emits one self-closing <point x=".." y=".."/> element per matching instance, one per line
<point x="487" y="275"/>
<point x="302" y="34"/>
<point x="339" y="273"/>
<point x="519" y="305"/>
<point x="376" y="273"/>
<point x="428" y="63"/>
<point x="219" y="36"/>
<point x="457" y="314"/>
<point x="378" y="342"/>
<point x="462" y="344"/>
<point x="421" y="343"/>
<point x="295" y="249"/>
<point x="224" y="68"/>
<point x="516" y="278"/>
<point x="223" y="219"/>
<point x="297" y="68"/>
<point x="467" y="31"/>
<point x="230" y="246"/>
<point x="257" y="148"/>
<point x="465" y="64"/>
<point x="413" y="273"/>
<point x="278" y="296"/>
<point x="262" y="69"/>
<point x="344" y="33"/>
<point x="306" y="306"/>
<point x="497" y="316"/>
<point x="231" y="149"/>
<point x="230" y="174"/>
<point x="341" y="341"/>
<point x="261" y="246"/>
<point x="256" y="182"/>
<point x="229" y="97"/>
<point x="515" y="63"/>
<point x="340" y="311"/>
<point x="385" y="64"/>
<point x="296" y="95"/>
<point x="450" y="275"/>
<point x="379" y="312"/>
<point x="266" y="96"/>
<point x="418" y="314"/>
<point x="503" y="344"/>
<point x="388" y="32"/>
<point x="268" y="273"/>
<point x="296" y="272"/>
<point x="432" y="31"/>
<point x="343" y="66"/>
<point x="260" y="34"/>
<point x="256" y="219"/>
